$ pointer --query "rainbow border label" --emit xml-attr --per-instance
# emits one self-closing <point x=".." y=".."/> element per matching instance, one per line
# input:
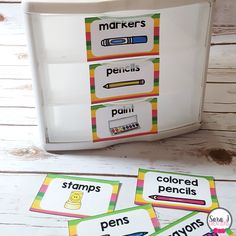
<point x="36" y="205"/>
<point x="74" y="224"/>
<point x="154" y="92"/>
<point x="201" y="221"/>
<point x="137" y="132"/>
<point x="155" y="30"/>
<point x="168" y="201"/>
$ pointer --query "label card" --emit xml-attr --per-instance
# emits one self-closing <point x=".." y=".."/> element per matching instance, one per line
<point x="111" y="122"/>
<point x="193" y="224"/>
<point x="174" y="190"/>
<point x="124" y="79"/>
<point x="136" y="221"/>
<point x="75" y="197"/>
<point x="119" y="37"/>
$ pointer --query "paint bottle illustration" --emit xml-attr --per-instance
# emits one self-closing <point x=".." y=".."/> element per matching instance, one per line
<point x="124" y="40"/>
<point x="74" y="201"/>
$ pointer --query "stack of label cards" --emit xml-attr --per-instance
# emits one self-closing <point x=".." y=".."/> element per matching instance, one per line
<point x="136" y="221"/>
<point x="193" y="224"/>
<point x="75" y="196"/>
<point x="174" y="190"/>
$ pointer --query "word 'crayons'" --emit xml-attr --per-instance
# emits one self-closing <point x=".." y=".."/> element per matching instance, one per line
<point x="124" y="83"/>
<point x="176" y="199"/>
<point x="124" y="40"/>
<point x="133" y="234"/>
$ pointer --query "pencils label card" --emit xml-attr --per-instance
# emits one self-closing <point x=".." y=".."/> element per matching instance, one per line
<point x="174" y="190"/>
<point x="111" y="122"/>
<point x="108" y="38"/>
<point x="193" y="224"/>
<point x="136" y="221"/>
<point x="75" y="196"/>
<point x="124" y="79"/>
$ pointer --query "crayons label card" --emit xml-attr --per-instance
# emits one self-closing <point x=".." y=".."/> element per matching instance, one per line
<point x="136" y="221"/>
<point x="174" y="190"/>
<point x="75" y="196"/>
<point x="124" y="79"/>
<point x="114" y="121"/>
<point x="108" y="38"/>
<point x="193" y="224"/>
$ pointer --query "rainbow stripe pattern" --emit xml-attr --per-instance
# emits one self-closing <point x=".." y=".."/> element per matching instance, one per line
<point x="153" y="130"/>
<point x="92" y="57"/>
<point x="36" y="205"/>
<point x="74" y="224"/>
<point x="140" y="200"/>
<point x="154" y="92"/>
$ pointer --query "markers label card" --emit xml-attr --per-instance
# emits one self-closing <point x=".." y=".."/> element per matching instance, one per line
<point x="124" y="79"/>
<point x="193" y="224"/>
<point x="113" y="121"/>
<point x="174" y="190"/>
<point x="136" y="221"/>
<point x="75" y="196"/>
<point x="108" y="38"/>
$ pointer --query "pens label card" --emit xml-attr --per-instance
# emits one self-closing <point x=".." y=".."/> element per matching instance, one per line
<point x="108" y="38"/>
<point x="112" y="122"/>
<point x="124" y="79"/>
<point x="75" y="196"/>
<point x="174" y="190"/>
<point x="136" y="221"/>
<point x="193" y="224"/>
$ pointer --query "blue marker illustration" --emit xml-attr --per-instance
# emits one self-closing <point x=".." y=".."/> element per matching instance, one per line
<point x="124" y="40"/>
<point x="133" y="234"/>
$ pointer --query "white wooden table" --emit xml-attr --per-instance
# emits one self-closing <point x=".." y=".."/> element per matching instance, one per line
<point x="23" y="165"/>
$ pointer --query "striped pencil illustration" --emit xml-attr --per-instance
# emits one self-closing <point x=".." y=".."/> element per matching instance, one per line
<point x="124" y="83"/>
<point x="124" y="40"/>
<point x="176" y="199"/>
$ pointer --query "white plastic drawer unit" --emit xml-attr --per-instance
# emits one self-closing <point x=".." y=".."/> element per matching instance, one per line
<point x="114" y="71"/>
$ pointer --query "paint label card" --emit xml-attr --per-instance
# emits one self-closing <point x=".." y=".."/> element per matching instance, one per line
<point x="174" y="190"/>
<point x="75" y="197"/>
<point x="193" y="224"/>
<point x="136" y="221"/>
<point x="115" y="121"/>
<point x="118" y="37"/>
<point x="121" y="80"/>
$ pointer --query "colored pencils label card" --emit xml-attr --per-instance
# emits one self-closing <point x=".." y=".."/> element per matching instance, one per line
<point x="108" y="38"/>
<point x="75" y="196"/>
<point x="174" y="190"/>
<point x="124" y="79"/>
<point x="136" y="221"/>
<point x="193" y="224"/>
<point x="126" y="120"/>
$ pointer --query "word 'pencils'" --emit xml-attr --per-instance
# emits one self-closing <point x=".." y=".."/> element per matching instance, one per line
<point x="124" y="83"/>
<point x="177" y="199"/>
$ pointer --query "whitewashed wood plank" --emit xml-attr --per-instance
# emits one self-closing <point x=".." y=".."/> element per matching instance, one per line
<point x="16" y="93"/>
<point x="13" y="55"/>
<point x="222" y="56"/>
<point x="216" y="121"/>
<point x="198" y="150"/>
<point x="220" y="97"/>
<point x="17" y="116"/>
<point x="221" y="75"/>
<point x="223" y="39"/>
<point x="225" y="12"/>
<point x="21" y="190"/>
<point x="221" y="30"/>
<point x="15" y="72"/>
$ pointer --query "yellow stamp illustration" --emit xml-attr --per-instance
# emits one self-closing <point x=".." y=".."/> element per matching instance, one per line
<point x="74" y="201"/>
